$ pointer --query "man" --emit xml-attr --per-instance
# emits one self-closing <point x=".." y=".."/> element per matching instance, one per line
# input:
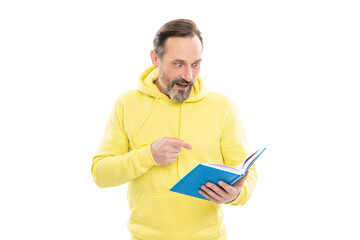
<point x="159" y="132"/>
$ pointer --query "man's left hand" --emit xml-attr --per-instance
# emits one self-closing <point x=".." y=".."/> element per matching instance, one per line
<point x="222" y="193"/>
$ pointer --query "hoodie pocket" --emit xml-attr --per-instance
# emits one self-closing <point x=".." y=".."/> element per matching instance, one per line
<point x="156" y="214"/>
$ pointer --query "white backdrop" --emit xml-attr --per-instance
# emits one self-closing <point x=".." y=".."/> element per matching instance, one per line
<point x="291" y="66"/>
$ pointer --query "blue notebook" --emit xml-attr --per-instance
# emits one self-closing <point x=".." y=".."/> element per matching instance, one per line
<point x="205" y="172"/>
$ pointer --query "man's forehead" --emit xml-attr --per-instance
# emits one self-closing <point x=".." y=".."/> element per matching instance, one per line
<point x="182" y="48"/>
<point x="179" y="41"/>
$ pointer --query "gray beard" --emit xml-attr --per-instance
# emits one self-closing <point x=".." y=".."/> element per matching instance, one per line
<point x="181" y="96"/>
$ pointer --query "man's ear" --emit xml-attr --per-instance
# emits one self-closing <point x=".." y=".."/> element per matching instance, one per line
<point x="154" y="58"/>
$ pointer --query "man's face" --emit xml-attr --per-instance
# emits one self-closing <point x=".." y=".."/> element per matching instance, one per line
<point x="179" y="66"/>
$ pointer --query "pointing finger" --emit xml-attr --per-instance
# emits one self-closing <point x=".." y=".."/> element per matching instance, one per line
<point x="181" y="143"/>
<point x="185" y="145"/>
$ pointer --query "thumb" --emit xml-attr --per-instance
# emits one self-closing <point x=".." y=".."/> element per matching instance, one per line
<point x="241" y="181"/>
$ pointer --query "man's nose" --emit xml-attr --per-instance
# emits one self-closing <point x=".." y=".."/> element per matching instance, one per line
<point x="188" y="74"/>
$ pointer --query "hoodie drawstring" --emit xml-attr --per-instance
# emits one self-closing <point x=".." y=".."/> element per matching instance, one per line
<point x="179" y="133"/>
<point x="179" y="136"/>
<point x="146" y="116"/>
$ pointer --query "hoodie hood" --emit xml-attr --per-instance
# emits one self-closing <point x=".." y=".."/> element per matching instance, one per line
<point x="147" y="86"/>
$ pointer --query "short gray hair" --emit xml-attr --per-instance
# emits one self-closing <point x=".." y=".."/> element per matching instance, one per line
<point x="175" y="28"/>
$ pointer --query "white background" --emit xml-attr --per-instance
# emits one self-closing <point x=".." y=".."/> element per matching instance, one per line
<point x="291" y="66"/>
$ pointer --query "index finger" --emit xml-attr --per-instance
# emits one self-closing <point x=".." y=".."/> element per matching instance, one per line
<point x="180" y="143"/>
<point x="228" y="188"/>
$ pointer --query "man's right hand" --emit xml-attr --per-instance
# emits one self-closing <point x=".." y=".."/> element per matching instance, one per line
<point x="166" y="150"/>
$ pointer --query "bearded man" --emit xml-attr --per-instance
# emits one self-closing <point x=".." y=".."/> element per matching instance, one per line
<point x="161" y="131"/>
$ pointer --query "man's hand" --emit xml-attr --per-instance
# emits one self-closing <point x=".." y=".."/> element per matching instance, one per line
<point x="166" y="150"/>
<point x="222" y="193"/>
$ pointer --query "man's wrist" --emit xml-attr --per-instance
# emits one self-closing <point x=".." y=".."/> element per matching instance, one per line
<point x="238" y="198"/>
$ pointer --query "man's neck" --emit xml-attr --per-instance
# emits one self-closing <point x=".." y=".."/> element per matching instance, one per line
<point x="160" y="87"/>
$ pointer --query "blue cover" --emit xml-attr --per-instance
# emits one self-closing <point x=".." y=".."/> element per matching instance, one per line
<point x="201" y="174"/>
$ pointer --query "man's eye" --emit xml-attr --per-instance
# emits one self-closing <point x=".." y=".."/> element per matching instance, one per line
<point x="178" y="64"/>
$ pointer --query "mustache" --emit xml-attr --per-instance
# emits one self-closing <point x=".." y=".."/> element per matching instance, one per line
<point x="182" y="81"/>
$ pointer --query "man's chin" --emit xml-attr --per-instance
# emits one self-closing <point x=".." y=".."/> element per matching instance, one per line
<point x="181" y="96"/>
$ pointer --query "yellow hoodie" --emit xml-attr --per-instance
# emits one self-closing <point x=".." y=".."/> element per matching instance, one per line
<point x="207" y="120"/>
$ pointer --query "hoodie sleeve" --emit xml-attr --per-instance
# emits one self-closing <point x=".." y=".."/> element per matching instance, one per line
<point x="113" y="163"/>
<point x="234" y="149"/>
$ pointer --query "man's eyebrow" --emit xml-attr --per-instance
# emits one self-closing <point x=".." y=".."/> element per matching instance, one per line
<point x="178" y="61"/>
<point x="183" y="61"/>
